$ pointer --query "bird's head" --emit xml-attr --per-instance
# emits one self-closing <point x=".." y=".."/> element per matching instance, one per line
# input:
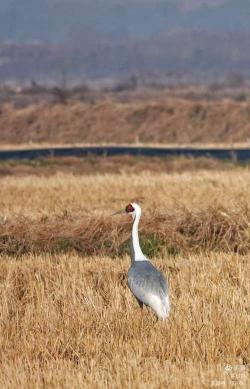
<point x="132" y="209"/>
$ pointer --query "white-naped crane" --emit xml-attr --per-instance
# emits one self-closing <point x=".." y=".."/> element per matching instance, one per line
<point x="147" y="284"/>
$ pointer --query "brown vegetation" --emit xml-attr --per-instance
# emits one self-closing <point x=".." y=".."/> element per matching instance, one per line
<point x="161" y="120"/>
<point x="67" y="318"/>
<point x="178" y="231"/>
<point x="116" y="165"/>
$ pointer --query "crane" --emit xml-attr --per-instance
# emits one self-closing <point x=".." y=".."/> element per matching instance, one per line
<point x="147" y="284"/>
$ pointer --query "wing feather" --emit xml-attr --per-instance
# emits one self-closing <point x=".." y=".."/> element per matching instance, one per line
<point x="145" y="281"/>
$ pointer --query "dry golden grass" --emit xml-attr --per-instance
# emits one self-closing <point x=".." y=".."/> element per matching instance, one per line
<point x="67" y="319"/>
<point x="182" y="212"/>
<point x="72" y="322"/>
<point x="101" y="194"/>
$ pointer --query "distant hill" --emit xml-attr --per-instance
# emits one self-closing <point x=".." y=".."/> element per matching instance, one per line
<point x="111" y="38"/>
<point x="183" y="55"/>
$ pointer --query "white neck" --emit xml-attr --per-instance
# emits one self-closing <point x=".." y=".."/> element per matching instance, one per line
<point x="136" y="253"/>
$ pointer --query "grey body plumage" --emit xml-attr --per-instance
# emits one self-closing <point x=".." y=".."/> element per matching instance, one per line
<point x="145" y="281"/>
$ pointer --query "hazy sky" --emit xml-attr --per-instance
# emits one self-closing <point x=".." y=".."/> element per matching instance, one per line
<point x="57" y="20"/>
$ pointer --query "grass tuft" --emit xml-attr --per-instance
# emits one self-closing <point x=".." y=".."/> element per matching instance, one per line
<point x="212" y="228"/>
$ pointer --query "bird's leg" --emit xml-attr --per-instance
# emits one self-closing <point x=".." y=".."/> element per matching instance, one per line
<point x="141" y="312"/>
<point x="140" y="303"/>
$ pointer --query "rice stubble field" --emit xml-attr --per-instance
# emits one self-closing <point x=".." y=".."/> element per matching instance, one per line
<point x="67" y="317"/>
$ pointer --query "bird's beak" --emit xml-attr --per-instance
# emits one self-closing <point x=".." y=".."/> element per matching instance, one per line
<point x="118" y="212"/>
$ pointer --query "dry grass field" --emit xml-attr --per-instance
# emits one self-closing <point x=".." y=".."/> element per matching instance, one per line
<point x="116" y="164"/>
<point x="161" y="119"/>
<point x="67" y="318"/>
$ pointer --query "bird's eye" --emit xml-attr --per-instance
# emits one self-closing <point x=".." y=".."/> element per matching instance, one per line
<point x="129" y="208"/>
